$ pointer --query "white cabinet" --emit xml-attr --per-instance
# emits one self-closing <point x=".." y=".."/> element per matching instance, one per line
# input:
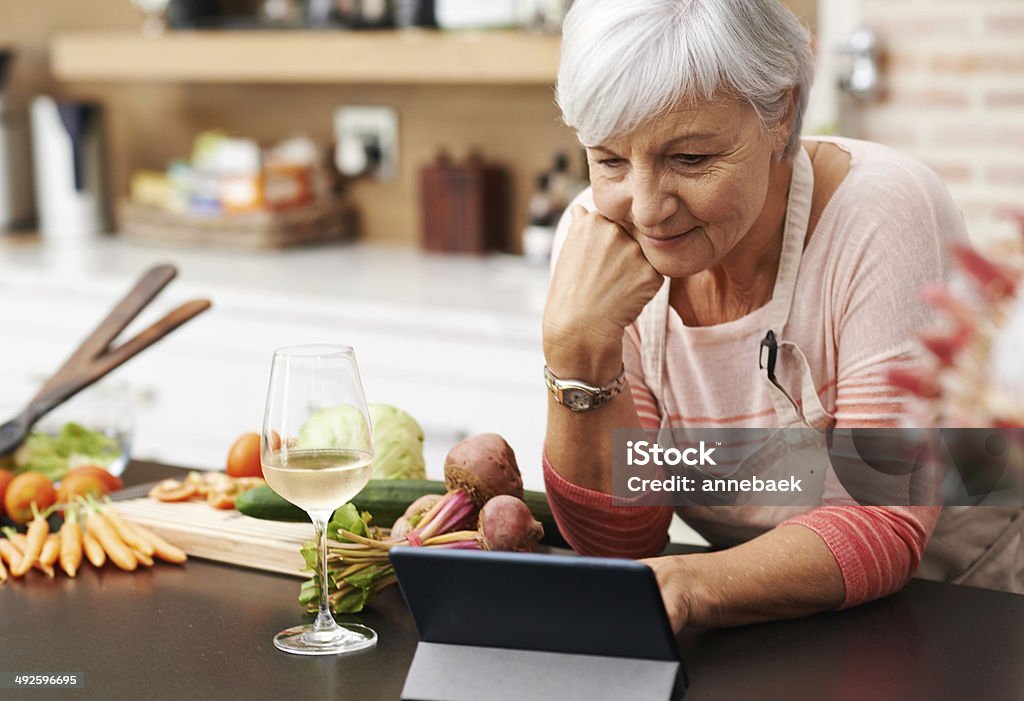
<point x="459" y="370"/>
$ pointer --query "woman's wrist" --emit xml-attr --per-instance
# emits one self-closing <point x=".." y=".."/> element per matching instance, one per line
<point x="590" y="355"/>
<point x="699" y="601"/>
<point x="597" y="363"/>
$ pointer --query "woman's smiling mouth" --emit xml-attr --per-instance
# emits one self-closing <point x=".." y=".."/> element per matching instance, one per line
<point x="662" y="241"/>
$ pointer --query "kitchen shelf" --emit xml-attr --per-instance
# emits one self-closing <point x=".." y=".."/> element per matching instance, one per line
<point x="354" y="57"/>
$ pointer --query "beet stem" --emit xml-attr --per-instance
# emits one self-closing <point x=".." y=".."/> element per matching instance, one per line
<point x="432" y="512"/>
<point x="461" y="545"/>
<point x="452" y="537"/>
<point x="453" y="502"/>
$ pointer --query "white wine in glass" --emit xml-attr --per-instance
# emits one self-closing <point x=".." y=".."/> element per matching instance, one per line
<point x="317" y="452"/>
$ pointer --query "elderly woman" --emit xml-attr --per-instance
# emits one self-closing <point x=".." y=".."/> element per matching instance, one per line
<point x="709" y="223"/>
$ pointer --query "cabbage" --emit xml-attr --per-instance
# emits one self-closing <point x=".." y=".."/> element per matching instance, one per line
<point x="397" y="443"/>
<point x="342" y="426"/>
<point x="397" y="438"/>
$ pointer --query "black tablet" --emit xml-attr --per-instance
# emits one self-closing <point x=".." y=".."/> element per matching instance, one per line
<point x="544" y="603"/>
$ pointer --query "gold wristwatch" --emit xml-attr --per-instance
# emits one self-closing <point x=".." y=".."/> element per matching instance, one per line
<point x="578" y="395"/>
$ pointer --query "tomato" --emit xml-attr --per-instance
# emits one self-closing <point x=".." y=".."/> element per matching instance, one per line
<point x="244" y="457"/>
<point x="111" y="482"/>
<point x="24" y="490"/>
<point x="5" y="479"/>
<point x="80" y="484"/>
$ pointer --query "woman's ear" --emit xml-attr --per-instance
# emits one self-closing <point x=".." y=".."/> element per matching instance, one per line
<point x="784" y="129"/>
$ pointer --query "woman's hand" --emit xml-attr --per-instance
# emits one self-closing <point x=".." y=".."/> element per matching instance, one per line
<point x="672" y="576"/>
<point x="601" y="283"/>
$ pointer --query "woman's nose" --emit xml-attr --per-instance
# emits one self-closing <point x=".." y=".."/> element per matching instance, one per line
<point x="652" y="203"/>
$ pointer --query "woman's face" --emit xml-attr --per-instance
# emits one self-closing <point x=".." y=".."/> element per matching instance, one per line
<point x="687" y="186"/>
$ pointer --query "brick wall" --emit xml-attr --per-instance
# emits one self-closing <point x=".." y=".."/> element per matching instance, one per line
<point x="955" y="98"/>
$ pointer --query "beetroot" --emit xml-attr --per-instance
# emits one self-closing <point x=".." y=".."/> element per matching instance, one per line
<point x="506" y="523"/>
<point x="484" y="467"/>
<point x="414" y="514"/>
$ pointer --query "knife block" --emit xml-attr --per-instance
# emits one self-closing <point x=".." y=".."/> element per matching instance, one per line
<point x="464" y="207"/>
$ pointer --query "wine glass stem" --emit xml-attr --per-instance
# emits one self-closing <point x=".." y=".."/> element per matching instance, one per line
<point x="324" y="619"/>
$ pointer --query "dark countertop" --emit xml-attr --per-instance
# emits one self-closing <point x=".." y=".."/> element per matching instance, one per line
<point x="203" y="631"/>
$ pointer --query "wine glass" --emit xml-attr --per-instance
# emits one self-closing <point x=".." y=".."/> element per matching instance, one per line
<point x="317" y="452"/>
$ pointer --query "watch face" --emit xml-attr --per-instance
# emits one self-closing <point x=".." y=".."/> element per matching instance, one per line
<point x="577" y="399"/>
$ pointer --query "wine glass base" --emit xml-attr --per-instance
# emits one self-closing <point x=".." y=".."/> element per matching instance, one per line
<point x="304" y="640"/>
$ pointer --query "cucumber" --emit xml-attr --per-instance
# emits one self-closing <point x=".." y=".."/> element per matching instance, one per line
<point x="263" y="502"/>
<point x="386" y="500"/>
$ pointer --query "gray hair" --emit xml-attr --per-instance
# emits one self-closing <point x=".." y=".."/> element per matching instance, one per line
<point x="625" y="62"/>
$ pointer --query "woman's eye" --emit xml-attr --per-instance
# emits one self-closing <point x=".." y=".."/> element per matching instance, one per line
<point x="690" y="159"/>
<point x="611" y="162"/>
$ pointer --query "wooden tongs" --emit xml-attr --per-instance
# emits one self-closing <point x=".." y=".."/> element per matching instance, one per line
<point x="94" y="357"/>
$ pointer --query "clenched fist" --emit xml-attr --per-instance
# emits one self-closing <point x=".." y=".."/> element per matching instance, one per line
<point x="601" y="283"/>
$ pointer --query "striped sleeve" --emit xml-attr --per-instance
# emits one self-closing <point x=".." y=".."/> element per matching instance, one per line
<point x="592" y="525"/>
<point x="588" y="520"/>
<point x="878" y="549"/>
<point x="865" y="399"/>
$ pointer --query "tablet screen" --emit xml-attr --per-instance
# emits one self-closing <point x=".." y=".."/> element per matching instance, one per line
<point x="550" y="603"/>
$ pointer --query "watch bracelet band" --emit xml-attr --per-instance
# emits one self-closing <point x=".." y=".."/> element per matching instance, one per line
<point x="571" y="393"/>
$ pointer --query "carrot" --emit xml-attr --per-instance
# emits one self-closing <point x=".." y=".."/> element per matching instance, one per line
<point x="119" y="553"/>
<point x="164" y="550"/>
<point x="3" y="571"/>
<point x="51" y="550"/>
<point x="93" y="550"/>
<point x="9" y="553"/>
<point x="70" y="544"/>
<point x="127" y="533"/>
<point x="16" y="547"/>
<point x="142" y="557"/>
<point x="38" y="529"/>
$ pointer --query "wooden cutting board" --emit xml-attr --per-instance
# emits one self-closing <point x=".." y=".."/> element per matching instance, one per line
<point x="223" y="535"/>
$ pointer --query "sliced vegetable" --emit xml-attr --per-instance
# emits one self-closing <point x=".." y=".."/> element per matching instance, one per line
<point x="173" y="490"/>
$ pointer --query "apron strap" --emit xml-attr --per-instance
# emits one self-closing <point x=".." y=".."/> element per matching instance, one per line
<point x="653" y="322"/>
<point x="798" y="214"/>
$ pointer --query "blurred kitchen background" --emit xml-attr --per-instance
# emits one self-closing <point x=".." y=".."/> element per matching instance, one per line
<point x="383" y="173"/>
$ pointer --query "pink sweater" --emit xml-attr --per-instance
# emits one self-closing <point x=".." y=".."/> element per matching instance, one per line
<point x="856" y="308"/>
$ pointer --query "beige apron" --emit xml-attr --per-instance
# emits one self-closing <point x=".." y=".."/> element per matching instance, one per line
<point x="980" y="545"/>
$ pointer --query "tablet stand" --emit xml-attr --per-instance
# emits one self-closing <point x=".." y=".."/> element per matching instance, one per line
<point x="443" y="672"/>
